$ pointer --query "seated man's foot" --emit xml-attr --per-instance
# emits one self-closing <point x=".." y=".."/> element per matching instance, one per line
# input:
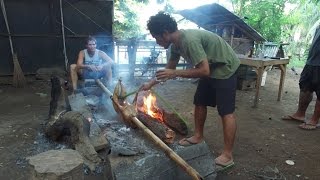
<point x="190" y="141"/>
<point x="293" y="118"/>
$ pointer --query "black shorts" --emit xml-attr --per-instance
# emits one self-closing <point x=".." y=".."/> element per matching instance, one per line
<point x="310" y="79"/>
<point x="217" y="92"/>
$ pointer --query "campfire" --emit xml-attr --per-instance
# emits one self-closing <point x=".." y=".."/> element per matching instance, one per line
<point x="153" y="121"/>
<point x="151" y="108"/>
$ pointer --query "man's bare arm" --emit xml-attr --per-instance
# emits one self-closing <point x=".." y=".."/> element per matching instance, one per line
<point x="172" y="64"/>
<point x="105" y="57"/>
<point x="80" y="60"/>
<point x="201" y="70"/>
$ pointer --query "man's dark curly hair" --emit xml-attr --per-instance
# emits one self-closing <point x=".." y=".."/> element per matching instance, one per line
<point x="90" y="38"/>
<point x="160" y="23"/>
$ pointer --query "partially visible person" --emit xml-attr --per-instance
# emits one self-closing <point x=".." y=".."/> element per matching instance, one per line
<point x="215" y="63"/>
<point x="309" y="82"/>
<point x="91" y="63"/>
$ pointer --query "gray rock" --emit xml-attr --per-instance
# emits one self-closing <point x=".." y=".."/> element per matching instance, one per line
<point x="56" y="165"/>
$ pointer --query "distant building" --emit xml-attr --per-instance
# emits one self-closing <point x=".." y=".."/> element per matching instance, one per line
<point x="230" y="27"/>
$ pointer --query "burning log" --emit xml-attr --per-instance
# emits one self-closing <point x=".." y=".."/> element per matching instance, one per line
<point x="158" y="128"/>
<point x="174" y="122"/>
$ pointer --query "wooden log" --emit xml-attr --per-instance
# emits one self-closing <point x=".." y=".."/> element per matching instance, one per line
<point x="175" y="122"/>
<point x="159" y="128"/>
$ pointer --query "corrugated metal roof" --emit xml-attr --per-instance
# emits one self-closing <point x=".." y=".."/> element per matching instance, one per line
<point x="210" y="15"/>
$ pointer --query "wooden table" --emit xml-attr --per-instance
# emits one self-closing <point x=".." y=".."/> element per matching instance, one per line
<point x="259" y="65"/>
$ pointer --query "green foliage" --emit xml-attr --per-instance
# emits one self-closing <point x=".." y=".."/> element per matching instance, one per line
<point x="277" y="24"/>
<point x="126" y="23"/>
<point x="265" y="16"/>
<point x="297" y="62"/>
<point x="126" y="17"/>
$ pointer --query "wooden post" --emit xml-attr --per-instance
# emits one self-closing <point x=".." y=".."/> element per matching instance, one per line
<point x="283" y="68"/>
<point x="259" y="71"/>
<point x="232" y="34"/>
<point x="63" y="38"/>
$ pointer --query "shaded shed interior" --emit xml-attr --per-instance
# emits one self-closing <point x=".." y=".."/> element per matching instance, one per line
<point x="36" y="30"/>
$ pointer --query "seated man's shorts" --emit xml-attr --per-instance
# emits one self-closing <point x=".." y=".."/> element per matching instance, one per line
<point x="87" y="74"/>
<point x="217" y="92"/>
<point x="310" y="79"/>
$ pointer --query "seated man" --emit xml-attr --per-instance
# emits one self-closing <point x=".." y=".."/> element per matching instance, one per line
<point x="92" y="63"/>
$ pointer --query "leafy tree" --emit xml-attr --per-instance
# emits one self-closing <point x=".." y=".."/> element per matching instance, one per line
<point x="266" y="16"/>
<point x="126" y="18"/>
<point x="270" y="19"/>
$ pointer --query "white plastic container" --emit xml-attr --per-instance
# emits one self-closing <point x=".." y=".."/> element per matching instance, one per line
<point x="263" y="79"/>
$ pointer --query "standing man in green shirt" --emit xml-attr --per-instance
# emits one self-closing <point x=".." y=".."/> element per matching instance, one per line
<point x="215" y="63"/>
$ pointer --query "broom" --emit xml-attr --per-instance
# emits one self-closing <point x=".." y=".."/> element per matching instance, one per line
<point x="18" y="77"/>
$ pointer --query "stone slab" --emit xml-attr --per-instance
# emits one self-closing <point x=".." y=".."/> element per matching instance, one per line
<point x="158" y="166"/>
<point x="56" y="165"/>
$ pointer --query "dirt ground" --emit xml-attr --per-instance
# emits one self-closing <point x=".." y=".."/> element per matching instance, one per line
<point x="263" y="142"/>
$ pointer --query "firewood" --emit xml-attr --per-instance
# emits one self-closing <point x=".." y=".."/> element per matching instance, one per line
<point x="158" y="128"/>
<point x="175" y="122"/>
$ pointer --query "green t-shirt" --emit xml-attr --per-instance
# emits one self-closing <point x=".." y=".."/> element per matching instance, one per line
<point x="197" y="45"/>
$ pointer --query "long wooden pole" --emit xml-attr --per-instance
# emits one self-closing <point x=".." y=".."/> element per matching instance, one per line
<point x="168" y="151"/>
<point x="63" y="38"/>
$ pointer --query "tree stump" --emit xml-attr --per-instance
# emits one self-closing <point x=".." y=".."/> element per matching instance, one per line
<point x="70" y="123"/>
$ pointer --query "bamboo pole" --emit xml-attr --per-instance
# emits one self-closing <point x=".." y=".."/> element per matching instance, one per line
<point x="63" y="38"/>
<point x="168" y="151"/>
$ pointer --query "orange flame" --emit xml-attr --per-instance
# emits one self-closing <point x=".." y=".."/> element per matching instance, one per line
<point x="150" y="107"/>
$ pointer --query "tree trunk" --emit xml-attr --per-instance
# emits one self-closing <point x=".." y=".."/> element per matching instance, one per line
<point x="74" y="124"/>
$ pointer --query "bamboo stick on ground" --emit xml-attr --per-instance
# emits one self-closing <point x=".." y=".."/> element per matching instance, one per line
<point x="168" y="151"/>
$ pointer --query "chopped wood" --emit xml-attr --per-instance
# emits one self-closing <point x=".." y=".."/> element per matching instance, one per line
<point x="175" y="122"/>
<point x="158" y="128"/>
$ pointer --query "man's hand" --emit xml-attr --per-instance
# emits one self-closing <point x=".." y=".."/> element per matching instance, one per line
<point x="146" y="86"/>
<point x="165" y="74"/>
<point x="99" y="68"/>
